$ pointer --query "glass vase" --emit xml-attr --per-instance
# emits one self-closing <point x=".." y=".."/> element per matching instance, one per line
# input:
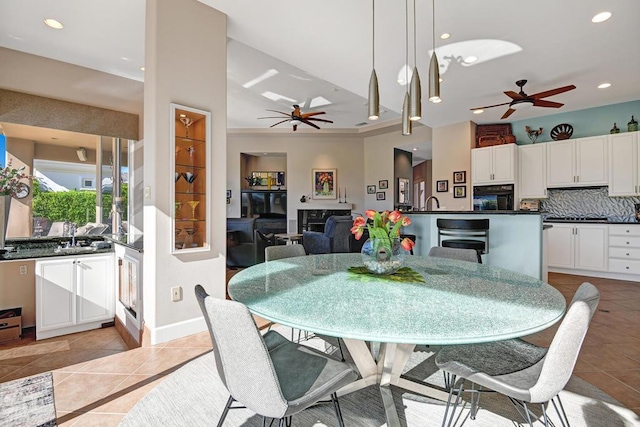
<point x="383" y="256"/>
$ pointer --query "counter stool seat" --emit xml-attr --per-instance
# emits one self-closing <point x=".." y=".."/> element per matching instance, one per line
<point x="466" y="233"/>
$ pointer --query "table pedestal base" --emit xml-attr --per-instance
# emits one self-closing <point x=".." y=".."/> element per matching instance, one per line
<point x="391" y="360"/>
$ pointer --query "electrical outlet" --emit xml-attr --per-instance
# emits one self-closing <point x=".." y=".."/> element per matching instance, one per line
<point x="176" y="293"/>
<point x="23" y="269"/>
<point x="147" y="193"/>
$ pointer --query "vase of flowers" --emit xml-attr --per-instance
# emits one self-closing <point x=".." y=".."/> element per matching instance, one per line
<point x="10" y="185"/>
<point x="384" y="252"/>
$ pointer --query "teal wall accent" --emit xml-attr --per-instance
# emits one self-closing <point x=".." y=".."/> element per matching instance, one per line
<point x="588" y="122"/>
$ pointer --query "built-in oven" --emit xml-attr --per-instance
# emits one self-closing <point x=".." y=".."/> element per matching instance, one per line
<point x="493" y="197"/>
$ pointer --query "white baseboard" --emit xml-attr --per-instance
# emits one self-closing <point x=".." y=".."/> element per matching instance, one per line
<point x="176" y="330"/>
<point x="590" y="273"/>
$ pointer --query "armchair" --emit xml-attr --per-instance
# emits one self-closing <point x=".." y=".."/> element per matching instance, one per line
<point x="336" y="236"/>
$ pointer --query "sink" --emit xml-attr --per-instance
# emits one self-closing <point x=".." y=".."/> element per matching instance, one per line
<point x="75" y="249"/>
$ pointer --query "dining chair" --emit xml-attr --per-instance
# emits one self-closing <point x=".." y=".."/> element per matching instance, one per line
<point x="273" y="253"/>
<point x="469" y="255"/>
<point x="524" y="372"/>
<point x="269" y="375"/>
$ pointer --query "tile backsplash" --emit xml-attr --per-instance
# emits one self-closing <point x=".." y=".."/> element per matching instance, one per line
<point x="589" y="202"/>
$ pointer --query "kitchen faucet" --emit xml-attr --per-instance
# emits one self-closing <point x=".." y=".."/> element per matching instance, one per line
<point x="72" y="231"/>
<point x="426" y="203"/>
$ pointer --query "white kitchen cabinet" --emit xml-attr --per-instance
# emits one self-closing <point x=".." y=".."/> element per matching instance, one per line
<point x="624" y="164"/>
<point x="532" y="171"/>
<point x="493" y="165"/>
<point x="624" y="248"/>
<point x="73" y="294"/>
<point x="578" y="246"/>
<point x="577" y="163"/>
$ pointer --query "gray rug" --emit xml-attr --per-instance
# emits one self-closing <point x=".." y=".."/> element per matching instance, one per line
<point x="194" y="396"/>
<point x="28" y="402"/>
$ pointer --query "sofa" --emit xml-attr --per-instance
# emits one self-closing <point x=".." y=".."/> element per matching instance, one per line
<point x="247" y="238"/>
<point x="336" y="236"/>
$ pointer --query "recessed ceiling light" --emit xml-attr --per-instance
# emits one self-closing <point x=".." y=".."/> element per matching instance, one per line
<point x="415" y="149"/>
<point x="445" y="36"/>
<point x="604" y="85"/>
<point x="436" y="100"/>
<point x="441" y="80"/>
<point x="601" y="17"/>
<point x="183" y="115"/>
<point x="480" y="111"/>
<point x="141" y="68"/>
<point x="470" y="59"/>
<point x="54" y="24"/>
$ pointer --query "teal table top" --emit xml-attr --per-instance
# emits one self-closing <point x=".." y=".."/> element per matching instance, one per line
<point x="460" y="302"/>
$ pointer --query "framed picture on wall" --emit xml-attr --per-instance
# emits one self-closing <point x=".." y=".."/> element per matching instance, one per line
<point x="460" y="177"/>
<point x="383" y="185"/>
<point x="371" y="189"/>
<point x="325" y="182"/>
<point x="459" y="191"/>
<point x="442" y="186"/>
<point x="380" y="195"/>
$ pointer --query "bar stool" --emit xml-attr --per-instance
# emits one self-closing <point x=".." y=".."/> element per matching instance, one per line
<point x="467" y="233"/>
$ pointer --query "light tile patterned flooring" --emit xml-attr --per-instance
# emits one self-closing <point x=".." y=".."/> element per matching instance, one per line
<point x="97" y="379"/>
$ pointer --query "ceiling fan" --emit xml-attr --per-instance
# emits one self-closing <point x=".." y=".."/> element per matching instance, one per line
<point x="297" y="117"/>
<point x="521" y="99"/>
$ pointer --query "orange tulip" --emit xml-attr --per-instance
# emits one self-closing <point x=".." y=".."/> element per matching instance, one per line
<point x="359" y="222"/>
<point x="370" y="213"/>
<point x="407" y="244"/>
<point x="406" y="221"/>
<point x="395" y="216"/>
<point x="357" y="231"/>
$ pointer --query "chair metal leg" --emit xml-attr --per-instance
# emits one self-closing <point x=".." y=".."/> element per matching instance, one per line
<point x="340" y="348"/>
<point x="455" y="404"/>
<point x="560" y="411"/>
<point x="226" y="411"/>
<point x="336" y="407"/>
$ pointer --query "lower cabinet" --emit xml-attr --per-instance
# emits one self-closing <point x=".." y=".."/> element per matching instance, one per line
<point x="73" y="294"/>
<point x="624" y="249"/>
<point x="578" y="246"/>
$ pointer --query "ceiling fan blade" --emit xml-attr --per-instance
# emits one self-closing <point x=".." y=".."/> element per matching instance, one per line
<point x="281" y="112"/>
<point x="544" y="103"/>
<point x="513" y="95"/>
<point x="305" y="121"/>
<point x="552" y="92"/>
<point x="272" y="117"/>
<point x="509" y="112"/>
<point x="321" y="120"/>
<point x="490" y="106"/>
<point x="279" y="123"/>
<point x="315" y="113"/>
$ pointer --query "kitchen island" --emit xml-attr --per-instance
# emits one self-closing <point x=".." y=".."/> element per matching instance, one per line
<point x="515" y="237"/>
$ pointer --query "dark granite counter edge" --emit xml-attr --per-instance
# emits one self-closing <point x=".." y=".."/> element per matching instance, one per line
<point x="39" y="254"/>
<point x="473" y="212"/>
<point x="586" y="221"/>
<point x="136" y="245"/>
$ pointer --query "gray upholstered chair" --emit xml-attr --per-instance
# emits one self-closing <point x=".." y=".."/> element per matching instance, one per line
<point x="272" y="253"/>
<point x="269" y="374"/>
<point x="524" y="372"/>
<point x="336" y="236"/>
<point x="454" y="253"/>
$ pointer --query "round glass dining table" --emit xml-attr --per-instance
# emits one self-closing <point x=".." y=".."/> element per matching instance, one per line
<point x="458" y="303"/>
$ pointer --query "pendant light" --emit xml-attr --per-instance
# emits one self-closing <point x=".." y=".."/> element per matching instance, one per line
<point x="415" y="111"/>
<point x="434" y="68"/>
<point x="406" y="122"/>
<point x="374" y="95"/>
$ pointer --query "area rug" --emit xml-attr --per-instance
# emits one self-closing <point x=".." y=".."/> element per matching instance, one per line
<point x="194" y="396"/>
<point x="28" y="402"/>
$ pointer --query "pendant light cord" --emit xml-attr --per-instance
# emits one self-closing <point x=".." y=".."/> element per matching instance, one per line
<point x="415" y="60"/>
<point x="373" y="34"/>
<point x="406" y="45"/>
<point x="433" y="18"/>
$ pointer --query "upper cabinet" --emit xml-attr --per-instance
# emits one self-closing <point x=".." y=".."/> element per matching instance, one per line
<point x="190" y="133"/>
<point x="493" y="165"/>
<point x="532" y="170"/>
<point x="577" y="163"/>
<point x="624" y="164"/>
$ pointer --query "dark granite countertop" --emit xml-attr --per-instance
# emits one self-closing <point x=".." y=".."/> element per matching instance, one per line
<point x="134" y="242"/>
<point x="475" y="212"/>
<point x="47" y="247"/>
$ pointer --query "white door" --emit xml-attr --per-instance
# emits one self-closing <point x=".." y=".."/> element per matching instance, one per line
<point x="561" y="245"/>
<point x="481" y="165"/>
<point x="55" y="289"/>
<point x="532" y="161"/>
<point x="591" y="161"/>
<point x="560" y="161"/>
<point x="504" y="157"/>
<point x="591" y="247"/>
<point x="96" y="291"/>
<point x="623" y="164"/>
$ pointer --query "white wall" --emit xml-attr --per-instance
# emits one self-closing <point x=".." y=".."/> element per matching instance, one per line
<point x="452" y="152"/>
<point x="185" y="62"/>
<point x="305" y="151"/>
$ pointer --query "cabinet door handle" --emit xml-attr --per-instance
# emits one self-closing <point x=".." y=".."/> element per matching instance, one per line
<point x="627" y="267"/>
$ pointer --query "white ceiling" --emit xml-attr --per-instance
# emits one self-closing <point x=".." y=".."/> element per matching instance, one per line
<point x="325" y="50"/>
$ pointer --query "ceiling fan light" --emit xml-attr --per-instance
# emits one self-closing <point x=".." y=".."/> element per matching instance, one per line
<point x="519" y="104"/>
<point x="374" y="97"/>
<point x="415" y="108"/>
<point x="406" y="123"/>
<point x="434" y="78"/>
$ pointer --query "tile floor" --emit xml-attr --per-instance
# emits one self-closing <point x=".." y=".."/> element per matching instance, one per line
<point x="97" y="379"/>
